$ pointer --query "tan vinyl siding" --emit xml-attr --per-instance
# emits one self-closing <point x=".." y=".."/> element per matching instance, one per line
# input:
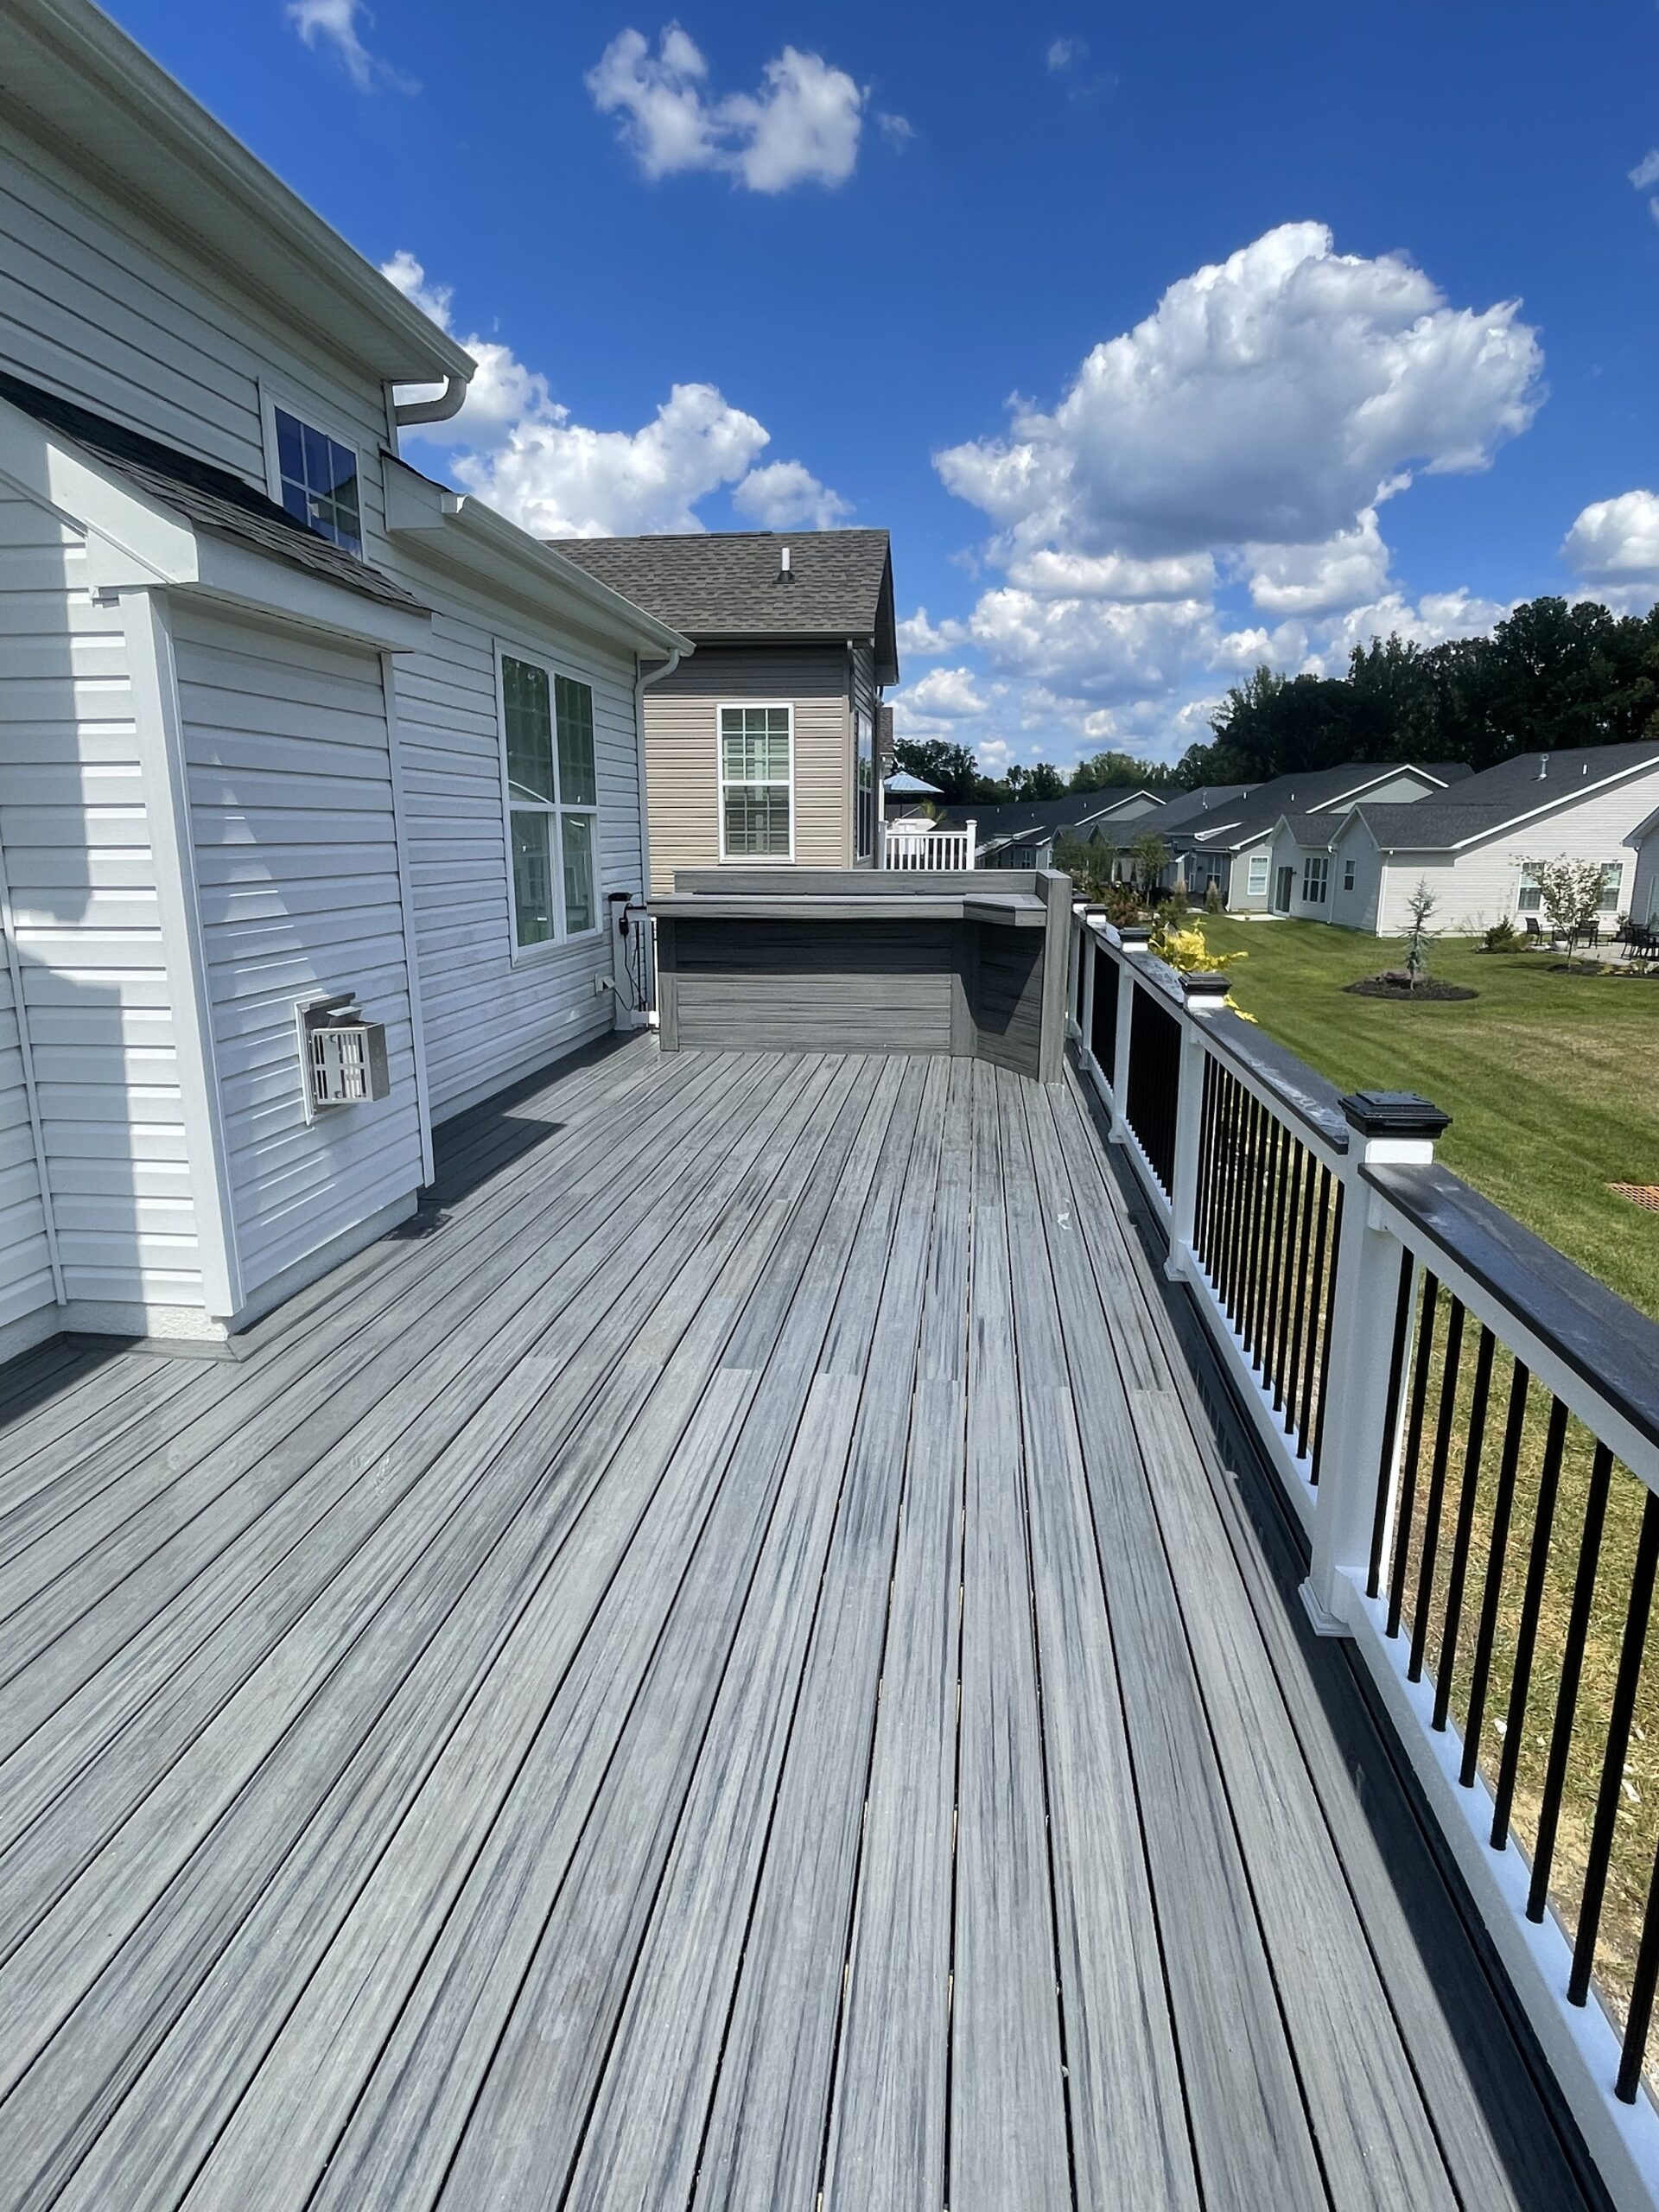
<point x="682" y="726"/>
<point x="97" y="1000"/>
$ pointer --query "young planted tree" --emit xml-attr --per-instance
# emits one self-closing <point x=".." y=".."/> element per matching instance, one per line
<point x="1571" y="891"/>
<point x="1419" y="936"/>
<point x="1148" y="858"/>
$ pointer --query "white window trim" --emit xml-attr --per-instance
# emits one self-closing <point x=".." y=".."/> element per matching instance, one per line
<point x="563" y="938"/>
<point x="722" y="708"/>
<point x="1264" y="861"/>
<point x="270" y="399"/>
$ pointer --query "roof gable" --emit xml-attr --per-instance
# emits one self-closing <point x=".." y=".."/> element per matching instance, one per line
<point x="712" y="585"/>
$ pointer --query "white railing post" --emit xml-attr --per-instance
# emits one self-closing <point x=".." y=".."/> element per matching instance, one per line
<point x="1362" y="1421"/>
<point x="1132" y="940"/>
<point x="971" y="843"/>
<point x="1202" y="994"/>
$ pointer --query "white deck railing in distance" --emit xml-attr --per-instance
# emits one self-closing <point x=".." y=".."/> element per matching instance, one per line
<point x="926" y="845"/>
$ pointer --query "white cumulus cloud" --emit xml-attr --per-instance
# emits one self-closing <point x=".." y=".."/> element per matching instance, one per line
<point x="560" y="478"/>
<point x="944" y="695"/>
<point x="1269" y="399"/>
<point x="1613" y="548"/>
<point x="516" y="447"/>
<point x="787" y="495"/>
<point x="1099" y="650"/>
<point x="921" y="640"/>
<point x="333" y="23"/>
<point x="1347" y="569"/>
<point x="802" y="126"/>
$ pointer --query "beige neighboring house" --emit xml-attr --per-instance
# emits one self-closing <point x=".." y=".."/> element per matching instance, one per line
<point x="761" y="746"/>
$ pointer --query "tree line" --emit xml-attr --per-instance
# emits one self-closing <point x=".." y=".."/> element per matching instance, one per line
<point x="1550" y="677"/>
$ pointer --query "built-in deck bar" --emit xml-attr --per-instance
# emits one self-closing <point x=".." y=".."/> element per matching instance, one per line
<point x="1467" y="1427"/>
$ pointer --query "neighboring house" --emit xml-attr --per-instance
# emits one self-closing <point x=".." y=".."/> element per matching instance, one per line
<point x="761" y="751"/>
<point x="1480" y="849"/>
<point x="1022" y="833"/>
<point x="282" y="720"/>
<point x="1180" y="812"/>
<point x="1233" y="845"/>
<point x="1644" y="887"/>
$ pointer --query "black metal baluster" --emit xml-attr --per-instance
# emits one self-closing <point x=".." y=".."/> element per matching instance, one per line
<point x="1324" y="1341"/>
<point x="1527" y="1638"/>
<point x="1632" y="1652"/>
<point x="1237" y="1118"/>
<point x="1638" y="2020"/>
<point x="1269" y="1297"/>
<point x="1450" y="1370"/>
<point x="1474" y="1447"/>
<point x="1319" y="1313"/>
<point x="1390" y="1420"/>
<point x="1308" y="1190"/>
<point x="1486" y="1635"/>
<point x="1253" y="1252"/>
<point x="1566" y="1699"/>
<point x="1273" y="1350"/>
<point x="1406" y="1503"/>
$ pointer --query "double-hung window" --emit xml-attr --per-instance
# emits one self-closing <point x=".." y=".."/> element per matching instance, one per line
<point x="1530" y="898"/>
<point x="863" y="785"/>
<point x="547" y="723"/>
<point x="1258" y="877"/>
<point x="315" y="477"/>
<point x="1316" y="873"/>
<point x="1349" y="869"/>
<point x="1613" y="882"/>
<point x="756" y="783"/>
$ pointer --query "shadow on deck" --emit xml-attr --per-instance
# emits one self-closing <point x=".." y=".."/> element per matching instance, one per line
<point x="744" y="1667"/>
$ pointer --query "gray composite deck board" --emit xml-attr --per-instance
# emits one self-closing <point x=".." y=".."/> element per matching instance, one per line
<point x="756" y="1683"/>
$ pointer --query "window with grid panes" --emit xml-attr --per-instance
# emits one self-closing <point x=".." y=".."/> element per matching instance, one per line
<point x="755" y="779"/>
<point x="552" y="802"/>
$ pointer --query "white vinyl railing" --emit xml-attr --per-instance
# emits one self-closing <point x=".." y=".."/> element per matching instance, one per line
<point x="924" y="844"/>
<point x="1467" y="1428"/>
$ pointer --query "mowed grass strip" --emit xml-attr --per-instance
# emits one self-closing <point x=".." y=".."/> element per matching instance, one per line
<point x="1552" y="1081"/>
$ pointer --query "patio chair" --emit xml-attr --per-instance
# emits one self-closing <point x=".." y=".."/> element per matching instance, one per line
<point x="1535" y="929"/>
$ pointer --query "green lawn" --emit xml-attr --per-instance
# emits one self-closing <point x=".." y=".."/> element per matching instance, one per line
<point x="1552" y="1083"/>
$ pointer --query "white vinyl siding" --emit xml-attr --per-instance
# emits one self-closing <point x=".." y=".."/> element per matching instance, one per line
<point x="95" y="304"/>
<point x="97" y="1002"/>
<point x="290" y="791"/>
<point x="487" y="1018"/>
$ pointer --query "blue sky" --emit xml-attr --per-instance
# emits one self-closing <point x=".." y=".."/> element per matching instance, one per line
<point x="1321" y="322"/>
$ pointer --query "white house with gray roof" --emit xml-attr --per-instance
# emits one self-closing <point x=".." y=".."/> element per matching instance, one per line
<point x="762" y="750"/>
<point x="288" y="731"/>
<point x="1480" y="848"/>
<point x="1231" y="843"/>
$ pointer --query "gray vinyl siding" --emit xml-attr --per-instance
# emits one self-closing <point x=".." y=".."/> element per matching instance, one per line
<point x="682" y="722"/>
<point x="1355" y="909"/>
<point x="489" y="1017"/>
<point x="295" y="853"/>
<point x="97" y="999"/>
<point x="95" y="303"/>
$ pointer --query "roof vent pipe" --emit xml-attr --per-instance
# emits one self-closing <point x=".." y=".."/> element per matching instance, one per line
<point x="1543" y="767"/>
<point x="785" y="574"/>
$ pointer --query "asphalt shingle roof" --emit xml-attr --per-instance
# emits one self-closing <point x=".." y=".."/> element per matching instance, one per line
<point x="208" y="498"/>
<point x="1307" y="793"/>
<point x="728" y="584"/>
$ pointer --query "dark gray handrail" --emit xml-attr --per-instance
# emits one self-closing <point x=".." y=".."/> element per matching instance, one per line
<point x="1306" y="1097"/>
<point x="1592" y="1330"/>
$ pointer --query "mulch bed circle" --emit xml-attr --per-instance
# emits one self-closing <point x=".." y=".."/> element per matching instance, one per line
<point x="1431" y="988"/>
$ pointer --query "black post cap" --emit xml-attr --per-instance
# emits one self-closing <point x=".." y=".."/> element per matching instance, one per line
<point x="1135" y="934"/>
<point x="1393" y="1113"/>
<point x="1207" y="986"/>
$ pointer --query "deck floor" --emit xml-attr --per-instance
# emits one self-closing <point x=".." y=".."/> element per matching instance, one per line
<point x="726" y="1666"/>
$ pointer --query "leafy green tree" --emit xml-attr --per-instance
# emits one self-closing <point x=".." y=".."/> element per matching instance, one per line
<point x="952" y="768"/>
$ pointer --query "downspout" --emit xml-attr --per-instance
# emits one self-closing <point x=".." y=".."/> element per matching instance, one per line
<point x="643" y="678"/>
<point x="447" y="403"/>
